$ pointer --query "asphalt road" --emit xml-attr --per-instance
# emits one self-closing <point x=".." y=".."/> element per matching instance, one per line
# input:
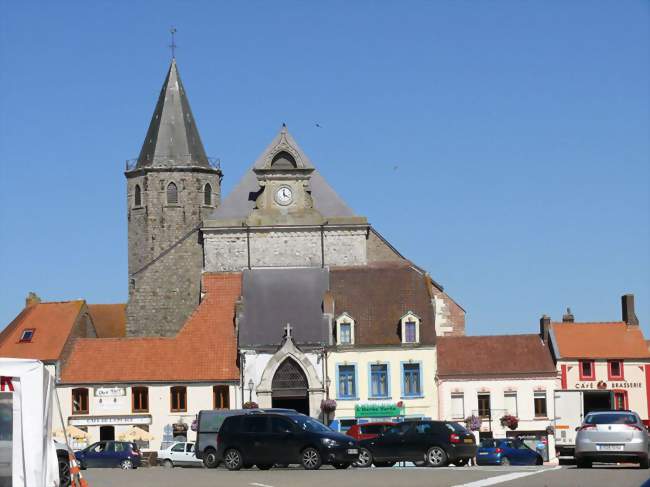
<point x="564" y="476"/>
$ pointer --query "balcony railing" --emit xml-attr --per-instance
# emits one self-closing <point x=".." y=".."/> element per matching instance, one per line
<point x="182" y="160"/>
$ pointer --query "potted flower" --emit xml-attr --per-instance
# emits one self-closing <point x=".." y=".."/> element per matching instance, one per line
<point x="509" y="421"/>
<point x="328" y="406"/>
<point x="251" y="405"/>
<point x="473" y="423"/>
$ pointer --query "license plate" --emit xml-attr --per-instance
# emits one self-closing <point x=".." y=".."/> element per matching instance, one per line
<point x="482" y="453"/>
<point x="353" y="451"/>
<point x="469" y="440"/>
<point x="610" y="447"/>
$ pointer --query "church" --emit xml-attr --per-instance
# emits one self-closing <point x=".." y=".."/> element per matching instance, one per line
<point x="277" y="294"/>
<point x="319" y="283"/>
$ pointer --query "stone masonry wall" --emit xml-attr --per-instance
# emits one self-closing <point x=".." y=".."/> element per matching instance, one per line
<point x="165" y="251"/>
<point x="227" y="250"/>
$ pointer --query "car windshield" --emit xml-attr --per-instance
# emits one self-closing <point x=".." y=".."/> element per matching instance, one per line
<point x="309" y="424"/>
<point x="610" y="418"/>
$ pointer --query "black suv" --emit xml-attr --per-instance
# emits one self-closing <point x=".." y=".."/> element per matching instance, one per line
<point x="436" y="443"/>
<point x="270" y="438"/>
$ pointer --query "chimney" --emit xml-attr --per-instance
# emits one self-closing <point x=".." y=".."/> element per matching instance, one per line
<point x="32" y="299"/>
<point x="568" y="316"/>
<point x="627" y="305"/>
<point x="544" y="327"/>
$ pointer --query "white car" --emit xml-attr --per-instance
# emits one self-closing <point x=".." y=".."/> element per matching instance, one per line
<point x="179" y="454"/>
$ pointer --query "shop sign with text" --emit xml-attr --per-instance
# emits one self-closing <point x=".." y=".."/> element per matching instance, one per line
<point x="603" y="386"/>
<point x="378" y="410"/>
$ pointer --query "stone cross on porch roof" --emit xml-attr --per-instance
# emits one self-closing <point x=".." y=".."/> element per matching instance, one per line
<point x="287" y="331"/>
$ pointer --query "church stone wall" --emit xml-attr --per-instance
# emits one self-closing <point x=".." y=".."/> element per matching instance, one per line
<point x="228" y="250"/>
<point x="165" y="254"/>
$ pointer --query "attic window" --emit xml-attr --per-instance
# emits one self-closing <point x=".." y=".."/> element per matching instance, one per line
<point x="410" y="325"/>
<point x="283" y="160"/>
<point x="27" y="335"/>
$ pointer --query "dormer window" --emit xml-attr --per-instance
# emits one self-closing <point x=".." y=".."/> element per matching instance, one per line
<point x="283" y="160"/>
<point x="410" y="328"/>
<point x="27" y="335"/>
<point x="345" y="330"/>
<point x="172" y="194"/>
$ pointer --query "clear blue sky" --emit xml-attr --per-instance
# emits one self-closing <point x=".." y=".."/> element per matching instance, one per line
<point x="519" y="131"/>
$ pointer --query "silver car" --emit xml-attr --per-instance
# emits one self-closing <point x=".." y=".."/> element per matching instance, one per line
<point x="612" y="437"/>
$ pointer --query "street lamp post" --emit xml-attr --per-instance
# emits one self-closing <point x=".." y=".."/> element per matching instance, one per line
<point x="327" y="396"/>
<point x="250" y="390"/>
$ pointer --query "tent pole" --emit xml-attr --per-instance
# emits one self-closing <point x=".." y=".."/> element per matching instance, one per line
<point x="58" y="405"/>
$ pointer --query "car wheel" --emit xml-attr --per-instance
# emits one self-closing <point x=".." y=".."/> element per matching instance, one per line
<point x="461" y="462"/>
<point x="364" y="460"/>
<point x="168" y="464"/>
<point x="210" y="458"/>
<point x="505" y="461"/>
<point x="644" y="463"/>
<point x="232" y="459"/>
<point x="436" y="457"/>
<point x="311" y="459"/>
<point x="384" y="464"/>
<point x="341" y="466"/>
<point x="64" y="473"/>
<point x="282" y="465"/>
<point x="126" y="464"/>
<point x="264" y="466"/>
<point x="540" y="461"/>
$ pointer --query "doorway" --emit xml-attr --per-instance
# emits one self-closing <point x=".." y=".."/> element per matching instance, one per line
<point x="289" y="387"/>
<point x="106" y="433"/>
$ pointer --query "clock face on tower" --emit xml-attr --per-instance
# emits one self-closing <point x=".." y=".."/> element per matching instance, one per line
<point x="284" y="196"/>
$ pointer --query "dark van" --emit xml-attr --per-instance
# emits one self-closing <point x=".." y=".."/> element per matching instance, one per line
<point x="270" y="438"/>
<point x="437" y="443"/>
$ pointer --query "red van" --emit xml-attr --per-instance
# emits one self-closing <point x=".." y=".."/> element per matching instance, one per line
<point x="368" y="431"/>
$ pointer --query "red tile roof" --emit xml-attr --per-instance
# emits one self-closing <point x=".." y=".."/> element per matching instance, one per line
<point x="599" y="340"/>
<point x="109" y="319"/>
<point x="52" y="323"/>
<point x="204" y="350"/>
<point x="498" y="355"/>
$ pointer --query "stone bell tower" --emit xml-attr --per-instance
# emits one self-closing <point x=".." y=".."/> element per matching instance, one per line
<point x="170" y="188"/>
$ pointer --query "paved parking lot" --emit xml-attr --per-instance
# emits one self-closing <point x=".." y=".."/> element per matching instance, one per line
<point x="564" y="476"/>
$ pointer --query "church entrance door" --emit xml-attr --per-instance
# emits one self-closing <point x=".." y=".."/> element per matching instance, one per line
<point x="290" y="388"/>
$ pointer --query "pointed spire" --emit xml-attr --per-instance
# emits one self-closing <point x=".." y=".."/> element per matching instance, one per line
<point x="173" y="138"/>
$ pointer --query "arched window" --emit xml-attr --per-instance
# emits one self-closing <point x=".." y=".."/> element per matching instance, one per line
<point x="172" y="194"/>
<point x="138" y="196"/>
<point x="207" y="195"/>
<point x="283" y="160"/>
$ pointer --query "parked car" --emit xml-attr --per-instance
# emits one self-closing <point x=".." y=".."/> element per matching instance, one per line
<point x="612" y="437"/>
<point x="208" y="424"/>
<point x="63" y="458"/>
<point x="179" y="454"/>
<point x="507" y="451"/>
<point x="367" y="431"/>
<point x="123" y="454"/>
<point x="437" y="443"/>
<point x="269" y="438"/>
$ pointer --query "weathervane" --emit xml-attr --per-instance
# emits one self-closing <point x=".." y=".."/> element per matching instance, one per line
<point x="172" y="31"/>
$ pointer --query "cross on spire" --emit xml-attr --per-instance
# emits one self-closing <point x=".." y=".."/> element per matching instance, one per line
<point x="172" y="31"/>
<point x="287" y="331"/>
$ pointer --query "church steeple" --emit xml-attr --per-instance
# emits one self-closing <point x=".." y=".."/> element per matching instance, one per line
<point x="173" y="138"/>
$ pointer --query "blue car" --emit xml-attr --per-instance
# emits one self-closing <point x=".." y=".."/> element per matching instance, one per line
<point x="107" y="454"/>
<point x="506" y="451"/>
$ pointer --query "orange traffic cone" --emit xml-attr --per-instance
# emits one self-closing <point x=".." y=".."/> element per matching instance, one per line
<point x="76" y="478"/>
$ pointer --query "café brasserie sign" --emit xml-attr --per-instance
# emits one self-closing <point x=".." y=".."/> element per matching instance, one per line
<point x="602" y="385"/>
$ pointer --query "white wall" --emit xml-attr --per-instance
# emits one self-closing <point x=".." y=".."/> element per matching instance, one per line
<point x="199" y="396"/>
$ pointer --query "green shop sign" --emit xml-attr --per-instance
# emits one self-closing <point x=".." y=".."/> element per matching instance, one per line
<point x="385" y="410"/>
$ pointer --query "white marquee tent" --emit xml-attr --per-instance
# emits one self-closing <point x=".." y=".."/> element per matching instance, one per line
<point x="27" y="453"/>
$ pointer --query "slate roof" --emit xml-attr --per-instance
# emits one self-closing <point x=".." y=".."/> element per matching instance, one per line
<point x="241" y="200"/>
<point x="204" y="350"/>
<point x="173" y="138"/>
<point x="52" y="323"/>
<point x="377" y="296"/>
<point x="274" y="297"/>
<point x="494" y="356"/>
<point x="604" y="340"/>
<point x="109" y="319"/>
